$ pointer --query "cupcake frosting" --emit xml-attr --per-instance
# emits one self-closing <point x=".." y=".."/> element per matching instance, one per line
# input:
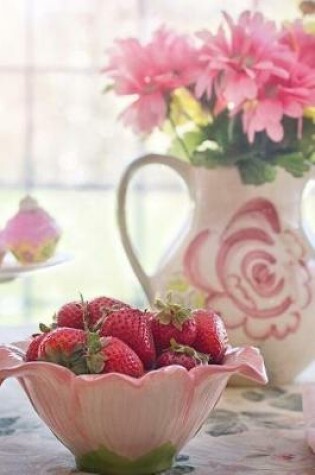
<point x="31" y="224"/>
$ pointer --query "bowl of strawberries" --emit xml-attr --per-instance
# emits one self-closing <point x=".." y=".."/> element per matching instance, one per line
<point x="125" y="389"/>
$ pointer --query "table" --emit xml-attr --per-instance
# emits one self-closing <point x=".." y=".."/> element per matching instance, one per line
<point x="252" y="431"/>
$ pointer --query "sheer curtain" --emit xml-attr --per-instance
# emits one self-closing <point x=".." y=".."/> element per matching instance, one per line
<point x="61" y="141"/>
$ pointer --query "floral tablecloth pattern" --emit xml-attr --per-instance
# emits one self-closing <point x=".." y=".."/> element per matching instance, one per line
<point x="252" y="431"/>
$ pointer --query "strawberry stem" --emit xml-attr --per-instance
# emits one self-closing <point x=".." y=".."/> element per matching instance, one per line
<point x="85" y="313"/>
<point x="95" y="360"/>
<point x="171" y="312"/>
<point x="44" y="328"/>
<point x="202" y="358"/>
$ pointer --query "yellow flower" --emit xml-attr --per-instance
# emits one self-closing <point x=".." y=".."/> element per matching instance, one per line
<point x="178" y="284"/>
<point x="309" y="112"/>
<point x="185" y="294"/>
<point x="185" y="108"/>
<point x="310" y="27"/>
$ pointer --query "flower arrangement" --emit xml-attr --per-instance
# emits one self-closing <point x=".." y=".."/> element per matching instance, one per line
<point x="243" y="96"/>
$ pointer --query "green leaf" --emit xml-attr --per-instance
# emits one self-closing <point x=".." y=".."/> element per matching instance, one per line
<point x="211" y="158"/>
<point x="256" y="171"/>
<point x="207" y="159"/>
<point x="312" y="157"/>
<point x="293" y="163"/>
<point x="191" y="140"/>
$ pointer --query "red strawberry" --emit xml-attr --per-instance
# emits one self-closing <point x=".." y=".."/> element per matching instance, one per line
<point x="113" y="356"/>
<point x="181" y="355"/>
<point x="98" y="306"/>
<point x="211" y="335"/>
<point x="66" y="347"/>
<point x="32" y="350"/>
<point x="172" y="321"/>
<point x="70" y="315"/>
<point x="133" y="327"/>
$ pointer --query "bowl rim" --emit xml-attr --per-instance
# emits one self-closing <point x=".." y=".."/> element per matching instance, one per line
<point x="246" y="361"/>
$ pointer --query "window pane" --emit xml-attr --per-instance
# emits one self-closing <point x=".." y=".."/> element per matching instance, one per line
<point x="74" y="33"/>
<point x="76" y="135"/>
<point x="187" y="16"/>
<point x="12" y="32"/>
<point x="157" y="222"/>
<point x="287" y="10"/>
<point x="12" y="127"/>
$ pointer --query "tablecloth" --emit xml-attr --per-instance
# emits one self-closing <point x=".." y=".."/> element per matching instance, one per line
<point x="251" y="431"/>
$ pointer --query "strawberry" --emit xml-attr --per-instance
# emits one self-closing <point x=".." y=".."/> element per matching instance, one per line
<point x="74" y="314"/>
<point x="32" y="350"/>
<point x="211" y="335"/>
<point x="172" y="321"/>
<point x="181" y="355"/>
<point x="66" y="347"/>
<point x="111" y="355"/>
<point x="132" y="326"/>
<point x="97" y="307"/>
<point x="70" y="315"/>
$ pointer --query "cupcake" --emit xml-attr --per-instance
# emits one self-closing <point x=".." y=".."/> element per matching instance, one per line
<point x="32" y="234"/>
<point x="3" y="246"/>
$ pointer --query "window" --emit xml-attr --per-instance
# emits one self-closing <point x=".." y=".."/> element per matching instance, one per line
<point x="60" y="140"/>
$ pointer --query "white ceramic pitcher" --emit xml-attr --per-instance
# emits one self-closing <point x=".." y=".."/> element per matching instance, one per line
<point x="244" y="252"/>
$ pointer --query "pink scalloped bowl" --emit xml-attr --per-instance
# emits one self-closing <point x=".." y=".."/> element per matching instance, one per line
<point x="114" y="424"/>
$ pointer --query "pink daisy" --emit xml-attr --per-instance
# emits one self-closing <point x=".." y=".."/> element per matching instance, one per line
<point x="300" y="42"/>
<point x="241" y="60"/>
<point x="150" y="72"/>
<point x="277" y="99"/>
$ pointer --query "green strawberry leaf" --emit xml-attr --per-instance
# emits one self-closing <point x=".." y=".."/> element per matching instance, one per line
<point x="94" y="343"/>
<point x="171" y="312"/>
<point x="95" y="358"/>
<point x="95" y="362"/>
<point x="189" y="351"/>
<point x="77" y="362"/>
<point x="43" y="328"/>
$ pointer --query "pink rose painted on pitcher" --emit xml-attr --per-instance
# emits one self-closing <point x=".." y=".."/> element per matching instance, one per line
<point x="262" y="281"/>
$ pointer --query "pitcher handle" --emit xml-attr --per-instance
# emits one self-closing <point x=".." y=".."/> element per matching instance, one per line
<point x="183" y="169"/>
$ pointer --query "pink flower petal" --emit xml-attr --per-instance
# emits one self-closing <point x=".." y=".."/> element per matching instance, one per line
<point x="146" y="113"/>
<point x="275" y="131"/>
<point x="239" y="87"/>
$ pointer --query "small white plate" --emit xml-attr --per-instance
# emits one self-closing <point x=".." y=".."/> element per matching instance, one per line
<point x="11" y="269"/>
